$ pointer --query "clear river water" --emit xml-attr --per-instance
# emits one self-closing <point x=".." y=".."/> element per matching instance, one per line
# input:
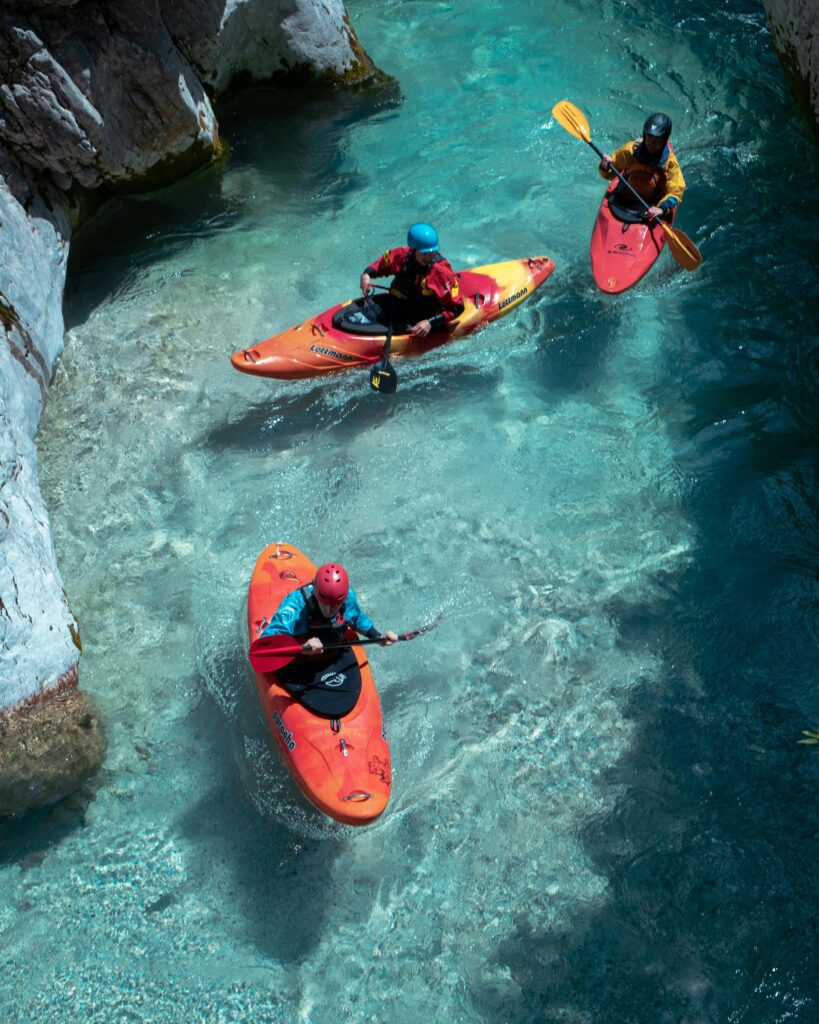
<point x="601" y="809"/>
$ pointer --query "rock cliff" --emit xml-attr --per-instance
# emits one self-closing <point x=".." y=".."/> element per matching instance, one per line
<point x="795" y="31"/>
<point x="97" y="96"/>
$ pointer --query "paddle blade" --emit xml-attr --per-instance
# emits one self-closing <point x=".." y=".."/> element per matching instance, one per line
<point x="271" y="653"/>
<point x="384" y="378"/>
<point x="682" y="248"/>
<point x="572" y="119"/>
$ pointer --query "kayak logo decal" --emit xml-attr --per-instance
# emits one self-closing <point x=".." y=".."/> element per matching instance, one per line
<point x="380" y="767"/>
<point x="286" y="735"/>
<point x="333" y="354"/>
<point x="623" y="250"/>
<point x="332" y="678"/>
<point x="287" y="574"/>
<point x="512" y="298"/>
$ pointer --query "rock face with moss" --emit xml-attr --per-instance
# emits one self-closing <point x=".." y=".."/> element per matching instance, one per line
<point x="97" y="96"/>
<point x="795" y="31"/>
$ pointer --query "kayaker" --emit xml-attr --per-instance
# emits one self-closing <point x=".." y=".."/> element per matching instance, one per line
<point x="423" y="277"/>
<point x="322" y="611"/>
<point x="650" y="167"/>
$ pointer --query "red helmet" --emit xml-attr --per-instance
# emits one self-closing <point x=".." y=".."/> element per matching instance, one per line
<point x="331" y="584"/>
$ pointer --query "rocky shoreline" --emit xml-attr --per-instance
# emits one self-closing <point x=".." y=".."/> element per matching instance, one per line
<point x="99" y="97"/>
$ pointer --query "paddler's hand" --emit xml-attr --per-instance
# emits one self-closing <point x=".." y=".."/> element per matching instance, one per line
<point x="387" y="639"/>
<point x="366" y="284"/>
<point x="313" y="646"/>
<point x="654" y="212"/>
<point x="605" y="163"/>
<point x="421" y="330"/>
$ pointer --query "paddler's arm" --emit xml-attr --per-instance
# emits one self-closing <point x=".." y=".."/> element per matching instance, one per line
<point x="675" y="184"/>
<point x="363" y="623"/>
<point x="290" y="617"/>
<point x="443" y="284"/>
<point x="622" y="159"/>
<point x="389" y="263"/>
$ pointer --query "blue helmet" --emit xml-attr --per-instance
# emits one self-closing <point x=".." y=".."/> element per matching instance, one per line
<point x="422" y="238"/>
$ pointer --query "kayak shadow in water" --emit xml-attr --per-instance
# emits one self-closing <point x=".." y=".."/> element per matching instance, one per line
<point x="578" y="328"/>
<point x="253" y="854"/>
<point x="330" y="403"/>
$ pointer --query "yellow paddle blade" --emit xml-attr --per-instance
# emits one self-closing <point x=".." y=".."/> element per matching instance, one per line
<point x="572" y="119"/>
<point x="682" y="248"/>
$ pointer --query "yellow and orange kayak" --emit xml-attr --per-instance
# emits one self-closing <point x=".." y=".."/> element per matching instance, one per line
<point x="316" y="346"/>
<point x="342" y="765"/>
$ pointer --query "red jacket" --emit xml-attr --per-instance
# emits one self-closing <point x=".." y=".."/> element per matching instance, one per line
<point x="430" y="289"/>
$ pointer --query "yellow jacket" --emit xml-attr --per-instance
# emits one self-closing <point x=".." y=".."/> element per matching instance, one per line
<point x="661" y="184"/>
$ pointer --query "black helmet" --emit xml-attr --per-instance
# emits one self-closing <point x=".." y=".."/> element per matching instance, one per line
<point x="659" y="125"/>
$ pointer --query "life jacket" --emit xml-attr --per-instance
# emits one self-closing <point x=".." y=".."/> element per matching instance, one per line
<point x="411" y="282"/>
<point x="329" y="631"/>
<point x="650" y="180"/>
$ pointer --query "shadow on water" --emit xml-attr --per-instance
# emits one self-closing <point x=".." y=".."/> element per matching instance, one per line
<point x="297" y="138"/>
<point x="293" y="418"/>
<point x="27" y="841"/>
<point x="577" y="328"/>
<point x="278" y="889"/>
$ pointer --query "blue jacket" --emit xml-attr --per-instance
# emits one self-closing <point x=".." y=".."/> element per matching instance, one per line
<point x="292" y="616"/>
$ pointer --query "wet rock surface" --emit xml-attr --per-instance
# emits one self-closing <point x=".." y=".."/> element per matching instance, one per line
<point x="795" y="31"/>
<point x="48" y="749"/>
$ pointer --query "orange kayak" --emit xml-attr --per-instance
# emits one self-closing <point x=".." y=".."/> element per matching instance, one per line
<point x="317" y="346"/>
<point x="341" y="765"/>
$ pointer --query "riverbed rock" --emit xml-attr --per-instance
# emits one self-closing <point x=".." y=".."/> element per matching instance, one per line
<point x="795" y="32"/>
<point x="48" y="749"/>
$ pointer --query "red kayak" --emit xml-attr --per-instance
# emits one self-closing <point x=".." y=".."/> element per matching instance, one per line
<point x="622" y="251"/>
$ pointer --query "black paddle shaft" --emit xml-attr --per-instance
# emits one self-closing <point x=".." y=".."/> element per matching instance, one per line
<point x="383" y="376"/>
<point x="622" y="177"/>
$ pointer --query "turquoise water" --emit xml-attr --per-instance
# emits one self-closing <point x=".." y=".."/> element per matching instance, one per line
<point x="601" y="811"/>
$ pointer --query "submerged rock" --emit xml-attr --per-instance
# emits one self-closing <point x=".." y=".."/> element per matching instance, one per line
<point x="795" y="31"/>
<point x="48" y="748"/>
<point x="97" y="96"/>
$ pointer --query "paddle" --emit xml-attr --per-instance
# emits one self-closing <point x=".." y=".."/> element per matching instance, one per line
<point x="383" y="376"/>
<point x="682" y="248"/>
<point x="271" y="653"/>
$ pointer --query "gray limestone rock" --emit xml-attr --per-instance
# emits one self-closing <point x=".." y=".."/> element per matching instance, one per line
<point x="36" y="645"/>
<point x="795" y="31"/>
<point x="98" y="93"/>
<point x="259" y="39"/>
